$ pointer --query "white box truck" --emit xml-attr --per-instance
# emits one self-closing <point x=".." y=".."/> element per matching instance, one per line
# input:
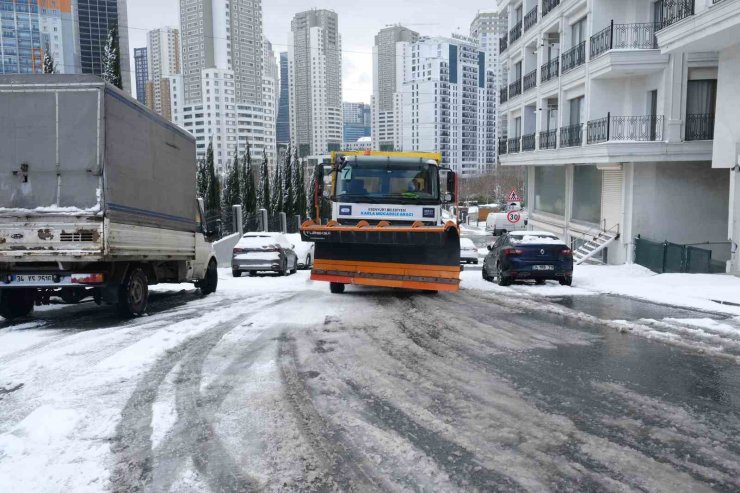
<point x="97" y="197"/>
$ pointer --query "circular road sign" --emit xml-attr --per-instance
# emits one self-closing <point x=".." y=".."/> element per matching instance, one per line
<point x="514" y="217"/>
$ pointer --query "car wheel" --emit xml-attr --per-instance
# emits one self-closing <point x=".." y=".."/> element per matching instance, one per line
<point x="16" y="303"/>
<point x="486" y="277"/>
<point x="133" y="294"/>
<point x="295" y="267"/>
<point x="210" y="283"/>
<point x="252" y="273"/>
<point x="568" y="281"/>
<point x="336" y="288"/>
<point x="284" y="269"/>
<point x="475" y="262"/>
<point x="502" y="280"/>
<point x="236" y="273"/>
<point x="539" y="282"/>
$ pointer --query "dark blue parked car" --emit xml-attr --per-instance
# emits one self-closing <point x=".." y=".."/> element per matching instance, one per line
<point x="528" y="255"/>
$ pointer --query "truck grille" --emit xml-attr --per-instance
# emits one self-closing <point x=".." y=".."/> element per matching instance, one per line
<point x="78" y="236"/>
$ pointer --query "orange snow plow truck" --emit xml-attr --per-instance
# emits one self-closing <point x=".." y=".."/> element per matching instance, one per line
<point x="387" y="224"/>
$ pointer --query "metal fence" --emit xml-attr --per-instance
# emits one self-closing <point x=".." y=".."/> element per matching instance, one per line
<point x="667" y="257"/>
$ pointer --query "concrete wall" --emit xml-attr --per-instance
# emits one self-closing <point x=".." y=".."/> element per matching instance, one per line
<point x="727" y="123"/>
<point x="681" y="203"/>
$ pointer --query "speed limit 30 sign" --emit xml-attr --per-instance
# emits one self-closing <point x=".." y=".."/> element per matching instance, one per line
<point x="514" y="217"/>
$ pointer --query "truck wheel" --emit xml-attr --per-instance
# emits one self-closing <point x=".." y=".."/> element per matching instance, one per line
<point x="72" y="296"/>
<point x="133" y="294"/>
<point x="236" y="273"/>
<point x="16" y="303"/>
<point x="210" y="283"/>
<point x="336" y="288"/>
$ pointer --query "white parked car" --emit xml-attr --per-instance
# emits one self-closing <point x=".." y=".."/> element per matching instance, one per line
<point x="260" y="252"/>
<point x="468" y="251"/>
<point x="303" y="249"/>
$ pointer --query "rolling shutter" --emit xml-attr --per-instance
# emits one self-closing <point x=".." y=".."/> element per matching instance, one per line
<point x="611" y="198"/>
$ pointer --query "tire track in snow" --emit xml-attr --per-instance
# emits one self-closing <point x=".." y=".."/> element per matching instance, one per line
<point x="345" y="470"/>
<point x="137" y="465"/>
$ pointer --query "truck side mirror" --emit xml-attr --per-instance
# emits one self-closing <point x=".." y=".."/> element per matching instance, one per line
<point x="451" y="185"/>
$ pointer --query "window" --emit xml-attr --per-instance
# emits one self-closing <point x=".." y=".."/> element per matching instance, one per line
<point x="587" y="194"/>
<point x="578" y="32"/>
<point x="549" y="186"/>
<point x="576" y="110"/>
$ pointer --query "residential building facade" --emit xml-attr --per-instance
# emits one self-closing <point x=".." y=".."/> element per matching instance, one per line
<point x="315" y="82"/>
<point x="447" y="103"/>
<point x="164" y="55"/>
<point x="357" y="121"/>
<point x="486" y="29"/>
<point x="389" y="58"/>
<point x="95" y="19"/>
<point x="709" y="31"/>
<point x="219" y="97"/>
<point x="141" y="66"/>
<point x="614" y="133"/>
<point x="270" y="89"/>
<point x="283" y="116"/>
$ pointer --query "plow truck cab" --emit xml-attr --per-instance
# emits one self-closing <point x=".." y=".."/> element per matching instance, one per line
<point x="387" y="226"/>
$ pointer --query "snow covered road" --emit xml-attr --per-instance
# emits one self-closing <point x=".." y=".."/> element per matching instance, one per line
<point x="274" y="384"/>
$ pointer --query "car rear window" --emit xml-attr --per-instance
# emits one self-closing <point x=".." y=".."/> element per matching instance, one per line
<point x="257" y="241"/>
<point x="536" y="240"/>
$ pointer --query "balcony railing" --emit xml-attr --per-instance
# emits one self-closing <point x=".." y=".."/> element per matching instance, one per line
<point x="648" y="128"/>
<point x="502" y="145"/>
<point x="675" y="10"/>
<point x="548" y="5"/>
<point x="515" y="32"/>
<point x="549" y="70"/>
<point x="515" y="88"/>
<point x="503" y="95"/>
<point x="514" y="145"/>
<point x="548" y="139"/>
<point x="530" y="80"/>
<point x="572" y="135"/>
<point x="528" y="142"/>
<point x="700" y="126"/>
<point x="574" y="57"/>
<point x="503" y="43"/>
<point x="639" y="36"/>
<point x="530" y="20"/>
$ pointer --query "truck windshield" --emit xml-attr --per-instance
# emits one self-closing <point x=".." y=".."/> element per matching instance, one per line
<point x="388" y="181"/>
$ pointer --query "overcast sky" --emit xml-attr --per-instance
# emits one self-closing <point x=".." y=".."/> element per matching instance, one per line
<point x="358" y="24"/>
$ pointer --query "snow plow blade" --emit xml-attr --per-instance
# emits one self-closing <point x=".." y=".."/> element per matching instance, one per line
<point x="409" y="257"/>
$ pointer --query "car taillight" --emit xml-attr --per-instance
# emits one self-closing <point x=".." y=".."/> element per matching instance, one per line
<point x="87" y="279"/>
<point x="512" y="252"/>
<point x="566" y="252"/>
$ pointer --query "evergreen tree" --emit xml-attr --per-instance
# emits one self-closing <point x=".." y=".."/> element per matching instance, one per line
<point x="213" y="194"/>
<point x="278" y="188"/>
<point x="289" y="195"/>
<point x="302" y="205"/>
<point x="112" y="59"/>
<point x="263" y="193"/>
<point x="49" y="65"/>
<point x="313" y="188"/>
<point x="233" y="193"/>
<point x="202" y="179"/>
<point x="249" y="189"/>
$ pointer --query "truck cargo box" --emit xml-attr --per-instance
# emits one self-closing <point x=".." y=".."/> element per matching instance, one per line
<point x="95" y="172"/>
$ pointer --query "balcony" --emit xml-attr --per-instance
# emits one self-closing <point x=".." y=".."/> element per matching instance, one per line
<point x="700" y="127"/>
<point x="530" y="80"/>
<point x="515" y="88"/>
<point x="503" y="95"/>
<point x="503" y="43"/>
<point x="675" y="10"/>
<point x="574" y="57"/>
<point x="549" y="70"/>
<point x="548" y="139"/>
<point x="530" y="20"/>
<point x="515" y="32"/>
<point x="572" y="135"/>
<point x="528" y="142"/>
<point x="648" y="128"/>
<point x="502" y="146"/>
<point x="639" y="36"/>
<point x="548" y="5"/>
<point x="514" y="145"/>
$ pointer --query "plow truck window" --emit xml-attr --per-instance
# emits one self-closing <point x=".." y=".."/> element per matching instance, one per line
<point x="357" y="181"/>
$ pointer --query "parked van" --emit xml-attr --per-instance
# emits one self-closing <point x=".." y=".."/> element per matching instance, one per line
<point x="512" y="218"/>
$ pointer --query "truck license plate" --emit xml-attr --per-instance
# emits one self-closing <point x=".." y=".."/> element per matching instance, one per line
<point x="33" y="278"/>
<point x="543" y="267"/>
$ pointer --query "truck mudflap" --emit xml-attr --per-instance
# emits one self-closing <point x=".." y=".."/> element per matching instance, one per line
<point x="417" y="257"/>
